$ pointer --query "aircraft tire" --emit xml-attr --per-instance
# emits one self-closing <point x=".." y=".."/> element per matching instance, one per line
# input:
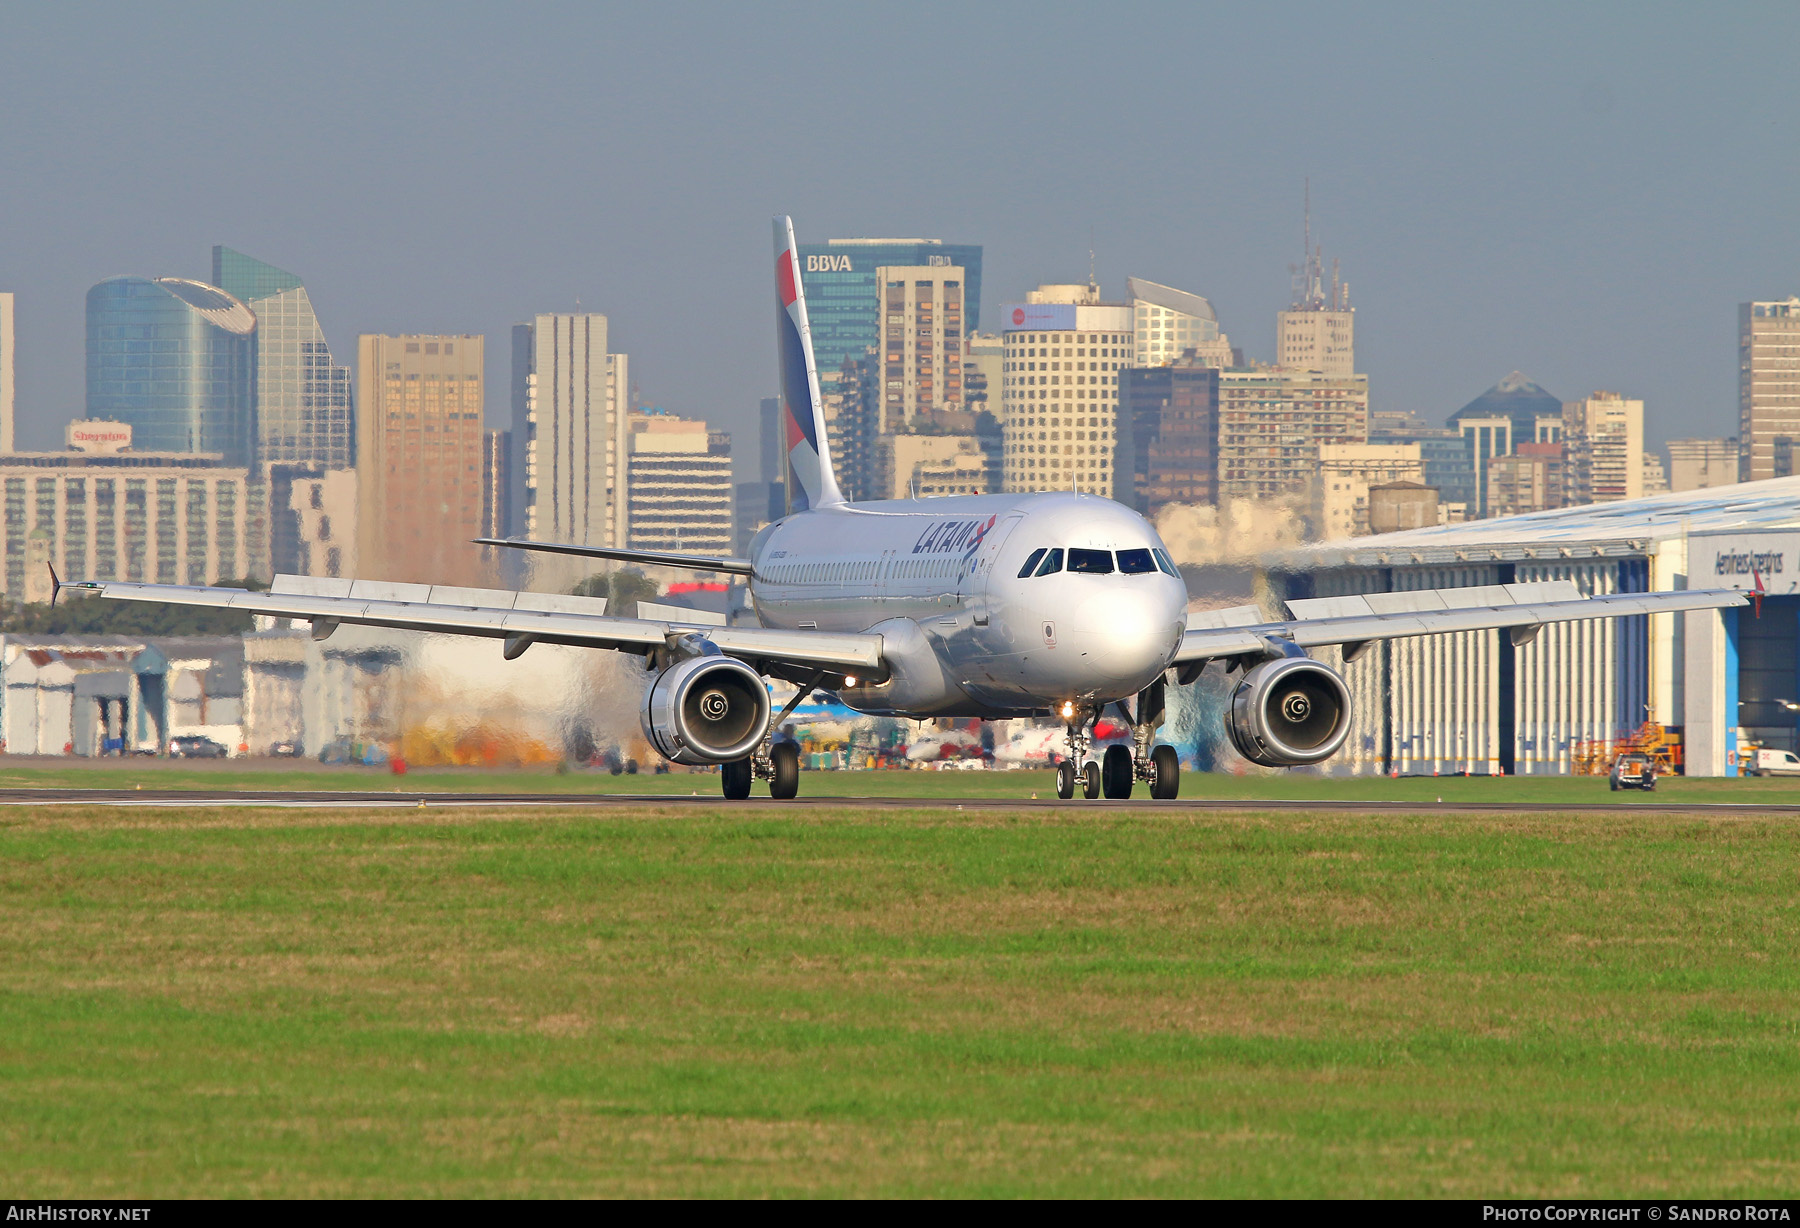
<point x="1090" y="780"/>
<point x="1115" y="774"/>
<point x="1065" y="780"/>
<point x="786" y="783"/>
<point x="1165" y="774"/>
<point x="735" y="778"/>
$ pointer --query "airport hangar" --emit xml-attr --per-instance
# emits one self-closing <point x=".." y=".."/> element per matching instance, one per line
<point x="1476" y="702"/>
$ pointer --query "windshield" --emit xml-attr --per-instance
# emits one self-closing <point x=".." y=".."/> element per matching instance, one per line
<point x="1136" y="562"/>
<point x="1091" y="562"/>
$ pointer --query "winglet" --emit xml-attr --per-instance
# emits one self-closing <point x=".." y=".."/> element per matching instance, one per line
<point x="55" y="584"/>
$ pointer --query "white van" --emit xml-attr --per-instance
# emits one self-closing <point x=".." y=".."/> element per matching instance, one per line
<point x="1776" y="763"/>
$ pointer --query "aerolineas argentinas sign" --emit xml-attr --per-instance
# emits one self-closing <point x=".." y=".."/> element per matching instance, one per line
<point x="1734" y="559"/>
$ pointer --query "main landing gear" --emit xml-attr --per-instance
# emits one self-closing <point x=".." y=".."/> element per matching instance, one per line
<point x="777" y="763"/>
<point x="1121" y="767"/>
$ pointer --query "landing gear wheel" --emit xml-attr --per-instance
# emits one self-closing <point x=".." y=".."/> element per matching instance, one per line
<point x="1115" y="773"/>
<point x="1165" y="774"/>
<point x="734" y="778"/>
<point x="785" y="758"/>
<point x="1090" y="780"/>
<point x="1065" y="780"/>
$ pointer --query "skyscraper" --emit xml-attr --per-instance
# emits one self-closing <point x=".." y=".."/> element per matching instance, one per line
<point x="1603" y="436"/>
<point x="419" y="449"/>
<point x="920" y="367"/>
<point x="304" y="411"/>
<point x="176" y="360"/>
<point x="1169" y="429"/>
<point x="1062" y="392"/>
<point x="1272" y="422"/>
<point x="680" y="487"/>
<point x="843" y="304"/>
<point x="1318" y="330"/>
<point x="570" y="404"/>
<point x="8" y="356"/>
<point x="1170" y="322"/>
<point x="1768" y="388"/>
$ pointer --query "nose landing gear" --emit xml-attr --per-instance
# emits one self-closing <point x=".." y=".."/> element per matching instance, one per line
<point x="1119" y="770"/>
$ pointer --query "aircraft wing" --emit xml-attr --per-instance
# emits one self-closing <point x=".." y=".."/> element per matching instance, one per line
<point x="650" y="558"/>
<point x="1356" y="621"/>
<point x="520" y="618"/>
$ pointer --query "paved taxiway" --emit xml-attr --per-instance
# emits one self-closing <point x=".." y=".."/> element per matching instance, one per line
<point x="336" y="799"/>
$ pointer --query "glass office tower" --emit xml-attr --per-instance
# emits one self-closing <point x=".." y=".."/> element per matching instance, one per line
<point x="843" y="303"/>
<point x="304" y="411"/>
<point x="176" y="359"/>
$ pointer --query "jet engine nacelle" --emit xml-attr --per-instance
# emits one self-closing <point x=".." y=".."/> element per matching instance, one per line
<point x="1289" y="712"/>
<point x="703" y="710"/>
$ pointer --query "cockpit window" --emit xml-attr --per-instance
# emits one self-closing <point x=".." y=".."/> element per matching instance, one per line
<point x="1052" y="562"/>
<point x="1136" y="562"/>
<point x="1091" y="562"/>
<point x="1166" y="564"/>
<point x="1031" y="563"/>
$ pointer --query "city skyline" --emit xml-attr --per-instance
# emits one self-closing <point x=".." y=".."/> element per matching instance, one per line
<point x="1448" y="178"/>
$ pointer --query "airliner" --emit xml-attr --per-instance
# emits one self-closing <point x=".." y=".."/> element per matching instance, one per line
<point x="1055" y="604"/>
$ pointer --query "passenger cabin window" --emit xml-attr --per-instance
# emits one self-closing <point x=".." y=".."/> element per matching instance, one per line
<point x="1031" y="563"/>
<point x="1136" y="562"/>
<point x="1052" y="562"/>
<point x="1091" y="562"/>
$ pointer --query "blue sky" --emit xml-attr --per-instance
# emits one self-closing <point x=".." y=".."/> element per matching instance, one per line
<point x="1583" y="192"/>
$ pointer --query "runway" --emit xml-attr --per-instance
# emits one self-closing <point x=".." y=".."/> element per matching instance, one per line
<point x="395" y="799"/>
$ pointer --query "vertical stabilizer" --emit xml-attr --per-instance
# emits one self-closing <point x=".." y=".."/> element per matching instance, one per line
<point x="810" y="482"/>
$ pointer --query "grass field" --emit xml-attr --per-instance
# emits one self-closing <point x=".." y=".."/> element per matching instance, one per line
<point x="905" y="1002"/>
<point x="286" y="776"/>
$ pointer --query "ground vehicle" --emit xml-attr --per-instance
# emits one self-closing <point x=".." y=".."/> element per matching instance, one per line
<point x="285" y="750"/>
<point x="1774" y="763"/>
<point x="1633" y="770"/>
<point x="193" y="746"/>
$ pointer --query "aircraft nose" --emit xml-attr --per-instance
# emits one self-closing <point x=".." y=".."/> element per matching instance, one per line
<point x="1127" y="636"/>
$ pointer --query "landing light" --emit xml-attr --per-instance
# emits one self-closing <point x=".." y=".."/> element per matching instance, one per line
<point x="849" y="679"/>
<point x="1068" y="710"/>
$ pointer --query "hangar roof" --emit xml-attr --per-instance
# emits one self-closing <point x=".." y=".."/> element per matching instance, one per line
<point x="1627" y="527"/>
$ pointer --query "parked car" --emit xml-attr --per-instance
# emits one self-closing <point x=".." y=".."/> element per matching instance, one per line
<point x="1633" y="770"/>
<point x="285" y="750"/>
<point x="1775" y="763"/>
<point x="192" y="746"/>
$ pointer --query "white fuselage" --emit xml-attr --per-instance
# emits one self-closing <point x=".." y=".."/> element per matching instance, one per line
<point x="945" y="574"/>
